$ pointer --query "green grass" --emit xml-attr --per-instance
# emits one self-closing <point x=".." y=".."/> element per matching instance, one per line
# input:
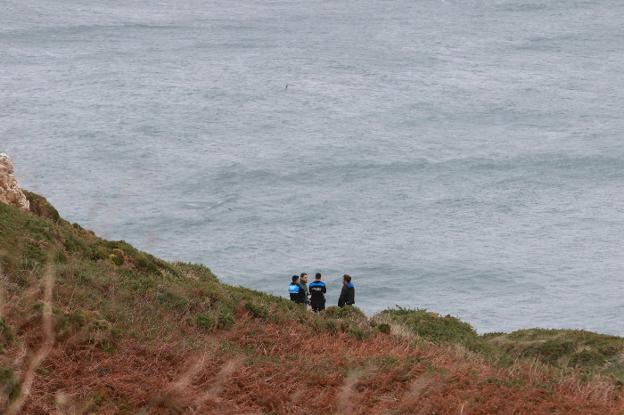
<point x="578" y="349"/>
<point x="439" y="329"/>
<point x="589" y="353"/>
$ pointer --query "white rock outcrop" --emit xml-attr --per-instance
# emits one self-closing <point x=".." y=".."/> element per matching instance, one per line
<point x="10" y="192"/>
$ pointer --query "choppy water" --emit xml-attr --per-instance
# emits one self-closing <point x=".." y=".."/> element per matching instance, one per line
<point x="463" y="156"/>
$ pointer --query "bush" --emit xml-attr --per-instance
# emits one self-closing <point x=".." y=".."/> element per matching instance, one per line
<point x="587" y="358"/>
<point x="550" y="351"/>
<point x="347" y="312"/>
<point x="33" y="255"/>
<point x="205" y="321"/>
<point x="146" y="263"/>
<point x="9" y="383"/>
<point x="117" y="256"/>
<point x="439" y="329"/>
<point x="357" y="333"/>
<point x="74" y="244"/>
<point x="171" y="300"/>
<point x="331" y="326"/>
<point x="257" y="311"/>
<point x="384" y="328"/>
<point x="225" y="319"/>
<point x="432" y="326"/>
<point x="6" y="334"/>
<point x="590" y="352"/>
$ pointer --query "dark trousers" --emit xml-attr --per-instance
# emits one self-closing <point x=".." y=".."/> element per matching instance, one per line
<point x="316" y="307"/>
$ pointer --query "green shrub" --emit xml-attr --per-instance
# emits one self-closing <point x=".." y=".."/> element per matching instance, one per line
<point x="257" y="311"/>
<point x="440" y="329"/>
<point x="587" y="359"/>
<point x="9" y="383"/>
<point x="384" y="328"/>
<point x="97" y="252"/>
<point x="205" y="321"/>
<point x="347" y="312"/>
<point x="67" y="324"/>
<point x="117" y="256"/>
<point x="146" y="263"/>
<point x="331" y="326"/>
<point x="33" y="255"/>
<point x="550" y="351"/>
<point x="590" y="352"/>
<point x="225" y="319"/>
<point x="357" y="333"/>
<point x="75" y="245"/>
<point x="432" y="326"/>
<point x="6" y="334"/>
<point x="171" y="300"/>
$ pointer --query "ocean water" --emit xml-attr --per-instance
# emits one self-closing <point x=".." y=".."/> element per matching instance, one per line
<point x="462" y="156"/>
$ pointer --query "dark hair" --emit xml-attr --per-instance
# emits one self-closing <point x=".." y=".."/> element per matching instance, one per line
<point x="295" y="278"/>
<point x="318" y="275"/>
<point x="347" y="278"/>
<point x="303" y="274"/>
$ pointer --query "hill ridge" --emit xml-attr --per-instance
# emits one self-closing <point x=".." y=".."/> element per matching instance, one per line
<point x="136" y="334"/>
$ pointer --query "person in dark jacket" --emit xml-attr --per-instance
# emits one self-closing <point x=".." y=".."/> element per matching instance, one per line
<point x="317" y="293"/>
<point x="347" y="294"/>
<point x="296" y="291"/>
<point x="303" y="281"/>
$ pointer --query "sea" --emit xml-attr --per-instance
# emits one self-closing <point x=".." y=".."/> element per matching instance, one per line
<point x="461" y="156"/>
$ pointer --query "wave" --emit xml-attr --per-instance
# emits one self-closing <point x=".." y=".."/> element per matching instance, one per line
<point x="541" y="165"/>
<point x="82" y="29"/>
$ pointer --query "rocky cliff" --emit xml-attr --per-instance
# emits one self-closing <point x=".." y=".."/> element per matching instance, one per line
<point x="10" y="192"/>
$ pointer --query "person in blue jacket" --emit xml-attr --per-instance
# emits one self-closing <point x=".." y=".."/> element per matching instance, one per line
<point x="317" y="293"/>
<point x="296" y="291"/>
<point x="347" y="294"/>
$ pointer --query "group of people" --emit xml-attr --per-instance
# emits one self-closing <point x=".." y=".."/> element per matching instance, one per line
<point x="313" y="295"/>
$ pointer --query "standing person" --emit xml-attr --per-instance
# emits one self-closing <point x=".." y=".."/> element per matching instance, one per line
<point x="317" y="293"/>
<point x="303" y="281"/>
<point x="347" y="294"/>
<point x="297" y="295"/>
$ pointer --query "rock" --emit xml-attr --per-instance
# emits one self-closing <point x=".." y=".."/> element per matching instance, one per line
<point x="10" y="192"/>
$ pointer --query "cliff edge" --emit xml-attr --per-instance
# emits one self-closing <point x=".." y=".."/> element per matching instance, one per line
<point x="10" y="192"/>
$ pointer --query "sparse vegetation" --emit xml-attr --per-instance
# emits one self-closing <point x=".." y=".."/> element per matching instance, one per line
<point x="135" y="334"/>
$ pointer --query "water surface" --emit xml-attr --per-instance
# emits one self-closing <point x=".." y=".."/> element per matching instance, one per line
<point x="461" y="156"/>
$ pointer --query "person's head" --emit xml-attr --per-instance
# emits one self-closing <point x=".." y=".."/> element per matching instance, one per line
<point x="317" y="276"/>
<point x="295" y="279"/>
<point x="346" y="279"/>
<point x="304" y="277"/>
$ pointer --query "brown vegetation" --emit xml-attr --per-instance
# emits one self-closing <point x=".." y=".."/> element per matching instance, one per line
<point x="123" y="332"/>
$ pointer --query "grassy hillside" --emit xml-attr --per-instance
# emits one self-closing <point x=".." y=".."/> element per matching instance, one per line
<point x="95" y="326"/>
